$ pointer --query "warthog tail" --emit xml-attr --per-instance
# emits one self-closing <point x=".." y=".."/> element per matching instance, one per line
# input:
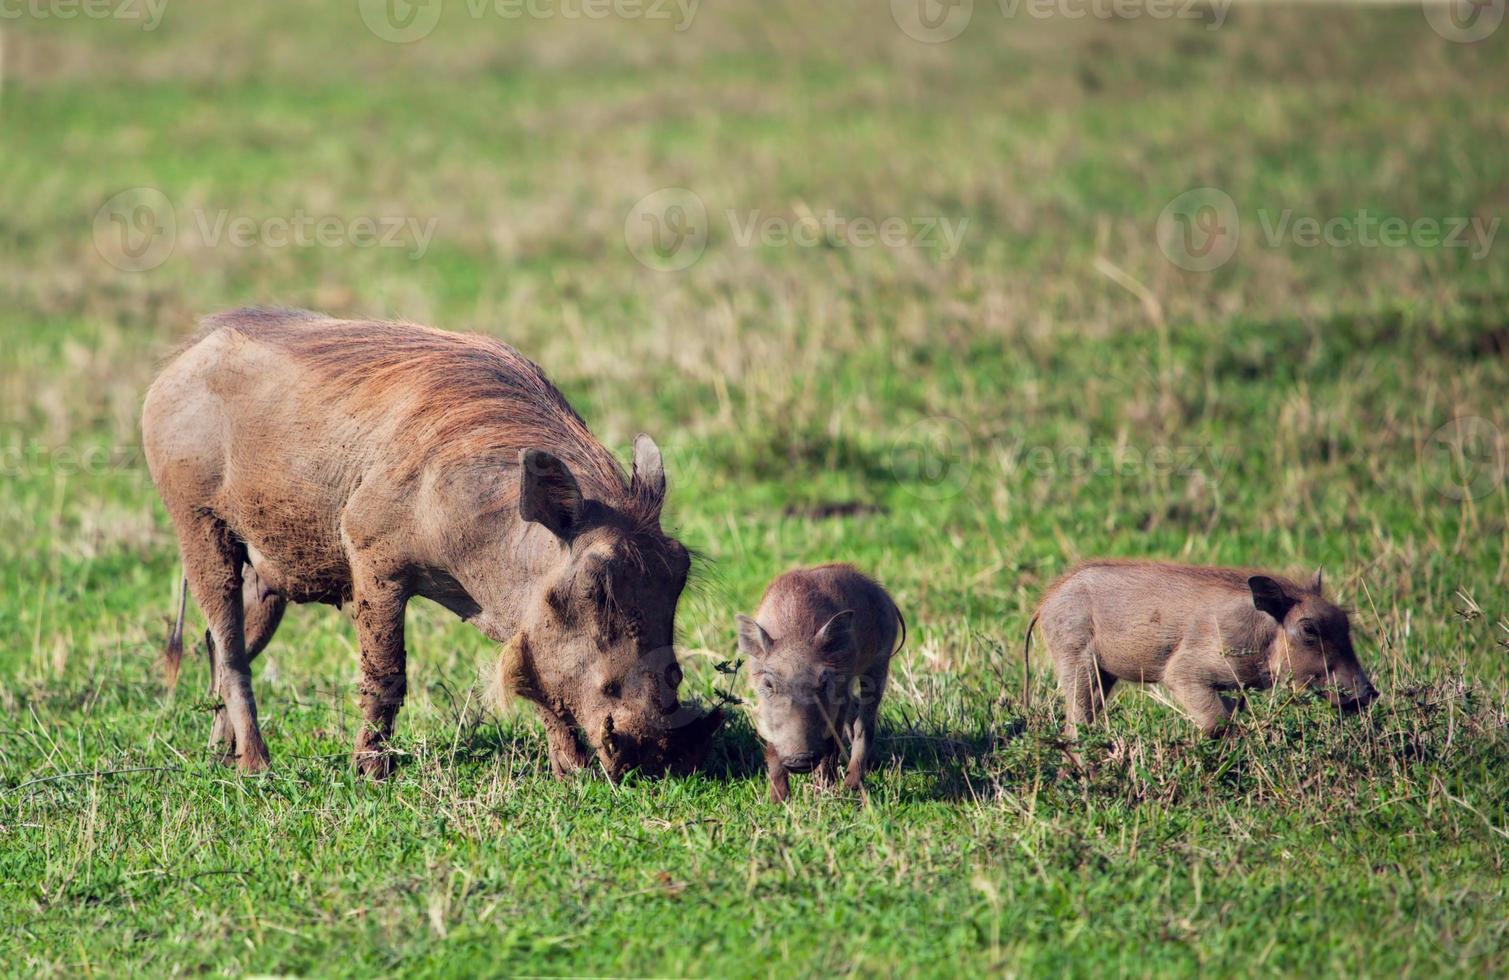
<point x="1027" y="666"/>
<point x="901" y="620"/>
<point x="172" y="654"/>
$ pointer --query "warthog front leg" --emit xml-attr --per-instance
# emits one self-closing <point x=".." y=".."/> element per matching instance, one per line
<point x="1204" y="703"/>
<point x="566" y="752"/>
<point x="378" y="605"/>
<point x="1188" y="678"/>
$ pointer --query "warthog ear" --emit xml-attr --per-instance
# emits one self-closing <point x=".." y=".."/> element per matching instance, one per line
<point x="754" y="642"/>
<point x="649" y="469"/>
<point x="516" y="673"/>
<point x="1269" y="597"/>
<point x="837" y="634"/>
<point x="1315" y="582"/>
<point x="548" y="493"/>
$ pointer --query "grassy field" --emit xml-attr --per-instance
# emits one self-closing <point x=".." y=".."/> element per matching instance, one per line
<point x="1068" y="375"/>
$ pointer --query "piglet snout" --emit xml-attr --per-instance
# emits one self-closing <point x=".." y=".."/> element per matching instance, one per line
<point x="1353" y="697"/>
<point x="805" y="762"/>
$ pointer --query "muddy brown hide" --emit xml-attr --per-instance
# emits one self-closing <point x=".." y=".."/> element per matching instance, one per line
<point x="1198" y="632"/>
<point x="308" y="459"/>
<point x="819" y="650"/>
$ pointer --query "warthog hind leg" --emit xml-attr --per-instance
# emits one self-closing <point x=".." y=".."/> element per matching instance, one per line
<point x="213" y="561"/>
<point x="261" y="612"/>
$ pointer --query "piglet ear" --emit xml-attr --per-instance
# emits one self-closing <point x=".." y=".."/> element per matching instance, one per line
<point x="754" y="642"/>
<point x="649" y="470"/>
<point x="837" y="634"/>
<point x="1269" y="597"/>
<point x="1315" y="582"/>
<point x="548" y="493"/>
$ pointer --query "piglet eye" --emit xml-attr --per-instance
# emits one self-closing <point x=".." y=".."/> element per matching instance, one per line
<point x="611" y="689"/>
<point x="1309" y="631"/>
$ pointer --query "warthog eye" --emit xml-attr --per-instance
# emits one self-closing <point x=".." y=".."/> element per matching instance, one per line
<point x="1309" y="630"/>
<point x="611" y="689"/>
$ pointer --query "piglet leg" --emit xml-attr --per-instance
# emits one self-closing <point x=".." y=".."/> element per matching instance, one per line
<point x="1204" y="704"/>
<point x="862" y="729"/>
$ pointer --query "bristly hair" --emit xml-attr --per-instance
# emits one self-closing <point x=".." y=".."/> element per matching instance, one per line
<point x="457" y="398"/>
<point x="1231" y="577"/>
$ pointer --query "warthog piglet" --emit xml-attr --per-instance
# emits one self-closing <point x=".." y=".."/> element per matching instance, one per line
<point x="1198" y="632"/>
<point x="819" y="648"/>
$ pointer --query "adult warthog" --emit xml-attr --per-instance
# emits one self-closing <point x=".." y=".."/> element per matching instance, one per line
<point x="309" y="459"/>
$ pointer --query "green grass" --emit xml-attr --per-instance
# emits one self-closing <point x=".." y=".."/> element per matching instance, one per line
<point x="1285" y="410"/>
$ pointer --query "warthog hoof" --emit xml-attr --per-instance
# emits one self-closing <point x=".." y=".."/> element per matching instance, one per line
<point x="374" y="763"/>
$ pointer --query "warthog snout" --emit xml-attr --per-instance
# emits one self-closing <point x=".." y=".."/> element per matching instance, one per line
<point x="800" y="763"/>
<point x="677" y="743"/>
<point x="1353" y="697"/>
<point x="805" y="762"/>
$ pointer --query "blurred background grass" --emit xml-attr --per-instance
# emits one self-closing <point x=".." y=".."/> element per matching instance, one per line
<point x="962" y="424"/>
